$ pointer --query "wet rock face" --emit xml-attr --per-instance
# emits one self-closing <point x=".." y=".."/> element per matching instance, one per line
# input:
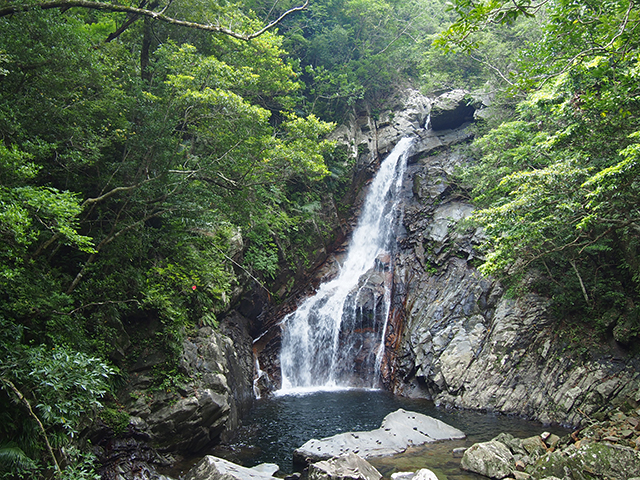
<point x="463" y="342"/>
<point x="368" y="138"/>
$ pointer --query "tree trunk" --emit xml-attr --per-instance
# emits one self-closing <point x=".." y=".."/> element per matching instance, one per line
<point x="145" y="73"/>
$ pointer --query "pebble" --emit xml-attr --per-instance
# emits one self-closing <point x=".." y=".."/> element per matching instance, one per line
<point x="459" y="452"/>
<point x="521" y="476"/>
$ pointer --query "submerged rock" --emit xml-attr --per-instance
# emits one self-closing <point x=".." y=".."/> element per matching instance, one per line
<point x="399" y="430"/>
<point x="344" y="467"/>
<point x="422" y="474"/>
<point x="214" y="468"/>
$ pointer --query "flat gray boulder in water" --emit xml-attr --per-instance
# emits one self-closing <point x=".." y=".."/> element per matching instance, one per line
<point x="345" y="467"/>
<point x="214" y="468"/>
<point x="399" y="431"/>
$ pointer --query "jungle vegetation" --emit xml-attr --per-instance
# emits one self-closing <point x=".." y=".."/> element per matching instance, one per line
<point x="157" y="157"/>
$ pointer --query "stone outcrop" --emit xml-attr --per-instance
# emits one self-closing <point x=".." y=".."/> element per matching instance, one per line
<point x="463" y="342"/>
<point x="345" y="467"/>
<point x="370" y="136"/>
<point x="399" y="431"/>
<point x="206" y="408"/>
<point x="214" y="468"/>
<point x="584" y="455"/>
<point x="451" y="110"/>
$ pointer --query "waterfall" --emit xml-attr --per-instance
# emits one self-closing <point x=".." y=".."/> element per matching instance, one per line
<point x="336" y="337"/>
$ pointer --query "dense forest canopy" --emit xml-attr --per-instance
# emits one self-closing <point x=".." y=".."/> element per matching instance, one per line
<point x="156" y="157"/>
<point x="558" y="182"/>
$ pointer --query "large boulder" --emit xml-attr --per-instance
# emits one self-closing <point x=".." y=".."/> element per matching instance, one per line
<point x="399" y="431"/>
<point x="214" y="468"/>
<point x="206" y="408"/>
<point x="450" y="110"/>
<point x="345" y="467"/>
<point x="491" y="459"/>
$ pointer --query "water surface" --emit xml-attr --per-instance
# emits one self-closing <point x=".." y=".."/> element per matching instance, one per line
<point x="278" y="425"/>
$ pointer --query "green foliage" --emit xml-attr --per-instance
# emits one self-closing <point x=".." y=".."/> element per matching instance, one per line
<point x="128" y="195"/>
<point x="350" y="50"/>
<point x="115" y="418"/>
<point x="14" y="461"/>
<point x="558" y="184"/>
<point x="62" y="388"/>
<point x="66" y="384"/>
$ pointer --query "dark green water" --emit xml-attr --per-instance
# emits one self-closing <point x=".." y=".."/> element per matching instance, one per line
<point x="279" y="425"/>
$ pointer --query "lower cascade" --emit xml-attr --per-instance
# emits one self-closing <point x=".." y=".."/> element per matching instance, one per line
<point x="336" y="337"/>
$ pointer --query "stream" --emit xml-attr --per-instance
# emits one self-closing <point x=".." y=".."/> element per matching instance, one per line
<point x="278" y="425"/>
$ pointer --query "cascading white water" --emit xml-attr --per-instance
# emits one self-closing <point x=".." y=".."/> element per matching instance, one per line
<point x="336" y="337"/>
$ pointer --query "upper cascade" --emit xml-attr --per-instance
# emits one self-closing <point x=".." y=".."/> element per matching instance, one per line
<point x="336" y="337"/>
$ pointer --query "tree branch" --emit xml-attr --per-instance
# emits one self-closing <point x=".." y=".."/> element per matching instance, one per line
<point x="582" y="287"/>
<point x="26" y="403"/>
<point x="111" y="7"/>
<point x="132" y="18"/>
<point x="111" y="192"/>
<point x="496" y="69"/>
<point x="95" y="304"/>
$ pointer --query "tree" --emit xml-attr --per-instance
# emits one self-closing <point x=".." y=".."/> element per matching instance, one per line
<point x="151" y="12"/>
<point x="558" y="185"/>
<point x="123" y="194"/>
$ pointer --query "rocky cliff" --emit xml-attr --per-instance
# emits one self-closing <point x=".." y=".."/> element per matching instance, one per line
<point x="461" y="341"/>
<point x="213" y="388"/>
<point x="454" y="336"/>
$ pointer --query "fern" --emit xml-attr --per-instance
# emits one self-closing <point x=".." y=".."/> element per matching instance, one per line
<point x="14" y="460"/>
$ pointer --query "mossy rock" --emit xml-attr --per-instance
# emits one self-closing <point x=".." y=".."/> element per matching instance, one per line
<point x="589" y="462"/>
